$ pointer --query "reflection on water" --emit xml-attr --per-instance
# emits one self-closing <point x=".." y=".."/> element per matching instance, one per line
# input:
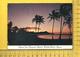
<point x="55" y="36"/>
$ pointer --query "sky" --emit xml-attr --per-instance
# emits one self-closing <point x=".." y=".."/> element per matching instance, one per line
<point x="22" y="14"/>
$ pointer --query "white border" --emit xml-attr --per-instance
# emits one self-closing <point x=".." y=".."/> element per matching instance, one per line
<point x="40" y="47"/>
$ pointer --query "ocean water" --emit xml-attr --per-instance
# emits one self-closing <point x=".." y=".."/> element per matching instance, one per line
<point x="54" y="36"/>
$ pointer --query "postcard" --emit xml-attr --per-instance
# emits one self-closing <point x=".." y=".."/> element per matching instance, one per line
<point x="40" y="26"/>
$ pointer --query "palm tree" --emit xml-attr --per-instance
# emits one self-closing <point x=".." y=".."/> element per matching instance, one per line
<point x="38" y="20"/>
<point x="68" y="19"/>
<point x="65" y="9"/>
<point x="53" y="16"/>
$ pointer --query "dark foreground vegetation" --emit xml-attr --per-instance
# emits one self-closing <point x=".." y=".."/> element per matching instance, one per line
<point x="30" y="38"/>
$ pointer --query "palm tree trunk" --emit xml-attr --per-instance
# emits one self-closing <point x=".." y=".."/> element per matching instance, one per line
<point x="38" y="27"/>
<point x="61" y="28"/>
<point x="53" y="29"/>
<point x="35" y="27"/>
<point x="70" y="33"/>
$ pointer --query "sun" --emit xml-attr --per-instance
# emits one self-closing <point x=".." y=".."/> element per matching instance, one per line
<point x="31" y="30"/>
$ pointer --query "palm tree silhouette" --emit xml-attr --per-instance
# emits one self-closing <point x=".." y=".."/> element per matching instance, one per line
<point x="64" y="12"/>
<point x="38" y="20"/>
<point x="53" y="16"/>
